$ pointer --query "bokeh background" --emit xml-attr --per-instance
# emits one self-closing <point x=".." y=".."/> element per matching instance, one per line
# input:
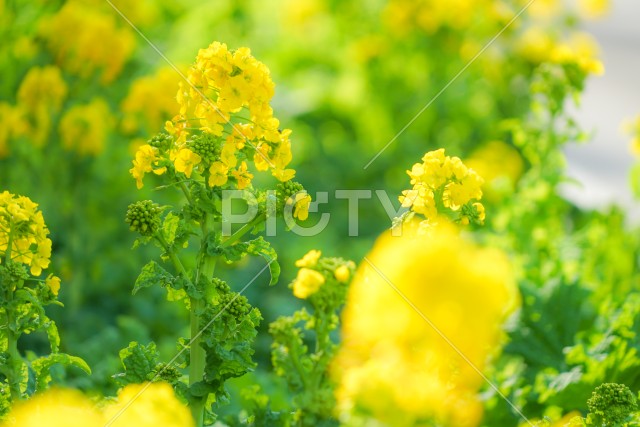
<point x="80" y="89"/>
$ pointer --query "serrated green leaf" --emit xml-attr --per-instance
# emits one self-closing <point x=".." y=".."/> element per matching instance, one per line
<point x="170" y="227"/>
<point x="152" y="274"/>
<point x="258" y="247"/>
<point x="139" y="362"/>
<point x="53" y="335"/>
<point x="42" y="367"/>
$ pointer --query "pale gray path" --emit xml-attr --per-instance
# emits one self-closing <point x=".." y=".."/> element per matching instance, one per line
<point x="603" y="164"/>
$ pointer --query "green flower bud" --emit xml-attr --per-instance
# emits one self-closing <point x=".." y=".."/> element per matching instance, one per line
<point x="143" y="217"/>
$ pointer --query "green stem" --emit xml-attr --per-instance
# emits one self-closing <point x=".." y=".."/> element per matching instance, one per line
<point x="197" y="359"/>
<point x="15" y="360"/>
<point x="243" y="230"/>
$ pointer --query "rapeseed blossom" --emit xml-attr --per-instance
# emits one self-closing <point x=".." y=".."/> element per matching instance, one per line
<point x="85" y="39"/>
<point x="150" y="101"/>
<point x="23" y="233"/>
<point x="85" y="128"/>
<point x="224" y="128"/>
<point x="40" y="95"/>
<point x="443" y="186"/>
<point x="225" y="86"/>
<point x="393" y="366"/>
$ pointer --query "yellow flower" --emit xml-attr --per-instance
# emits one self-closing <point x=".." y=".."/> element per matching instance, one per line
<point x="243" y="176"/>
<point x="185" y="161"/>
<point x="53" y="282"/>
<point x="42" y="87"/>
<point x="307" y="283"/>
<point x="393" y="364"/>
<point x="85" y="128"/>
<point x="301" y="204"/>
<point x="310" y="259"/>
<point x="218" y="174"/>
<point x="22" y="224"/>
<point x="85" y="39"/>
<point x="439" y="174"/>
<point x="150" y="101"/>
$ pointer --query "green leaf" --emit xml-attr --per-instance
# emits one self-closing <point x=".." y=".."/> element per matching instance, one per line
<point x="139" y="362"/>
<point x="42" y="367"/>
<point x="170" y="227"/>
<point x="257" y="246"/>
<point x="53" y="335"/>
<point x="151" y="275"/>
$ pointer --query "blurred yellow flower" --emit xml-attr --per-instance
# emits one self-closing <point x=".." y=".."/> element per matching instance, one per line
<point x="42" y="87"/>
<point x="500" y="165"/>
<point x="151" y="101"/>
<point x="307" y="283"/>
<point x="148" y="405"/>
<point x="12" y="125"/>
<point x="392" y="364"/>
<point x="85" y="39"/>
<point x="139" y="405"/>
<point x="85" y="128"/>
<point x="55" y="408"/>
<point x="342" y="273"/>
<point x="310" y="259"/>
<point x="593" y="9"/>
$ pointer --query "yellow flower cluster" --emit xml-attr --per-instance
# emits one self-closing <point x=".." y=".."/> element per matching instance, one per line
<point x="310" y="277"/>
<point x="23" y="233"/>
<point x="443" y="185"/>
<point x="393" y="365"/>
<point x="84" y="128"/>
<point x="85" y="39"/>
<point x="538" y="45"/>
<point x="212" y="134"/>
<point x="155" y="406"/>
<point x="150" y="101"/>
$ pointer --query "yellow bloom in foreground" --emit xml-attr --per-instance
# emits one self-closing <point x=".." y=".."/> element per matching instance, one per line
<point x="152" y="406"/>
<point x="185" y="161"/>
<point x="307" y="283"/>
<point x="392" y="364"/>
<point x="139" y="405"/>
<point x="55" y="408"/>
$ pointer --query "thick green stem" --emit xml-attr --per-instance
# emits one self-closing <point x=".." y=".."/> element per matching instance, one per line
<point x="15" y="364"/>
<point x="198" y="356"/>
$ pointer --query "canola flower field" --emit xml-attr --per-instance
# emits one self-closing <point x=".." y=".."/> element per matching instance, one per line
<point x="307" y="213"/>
